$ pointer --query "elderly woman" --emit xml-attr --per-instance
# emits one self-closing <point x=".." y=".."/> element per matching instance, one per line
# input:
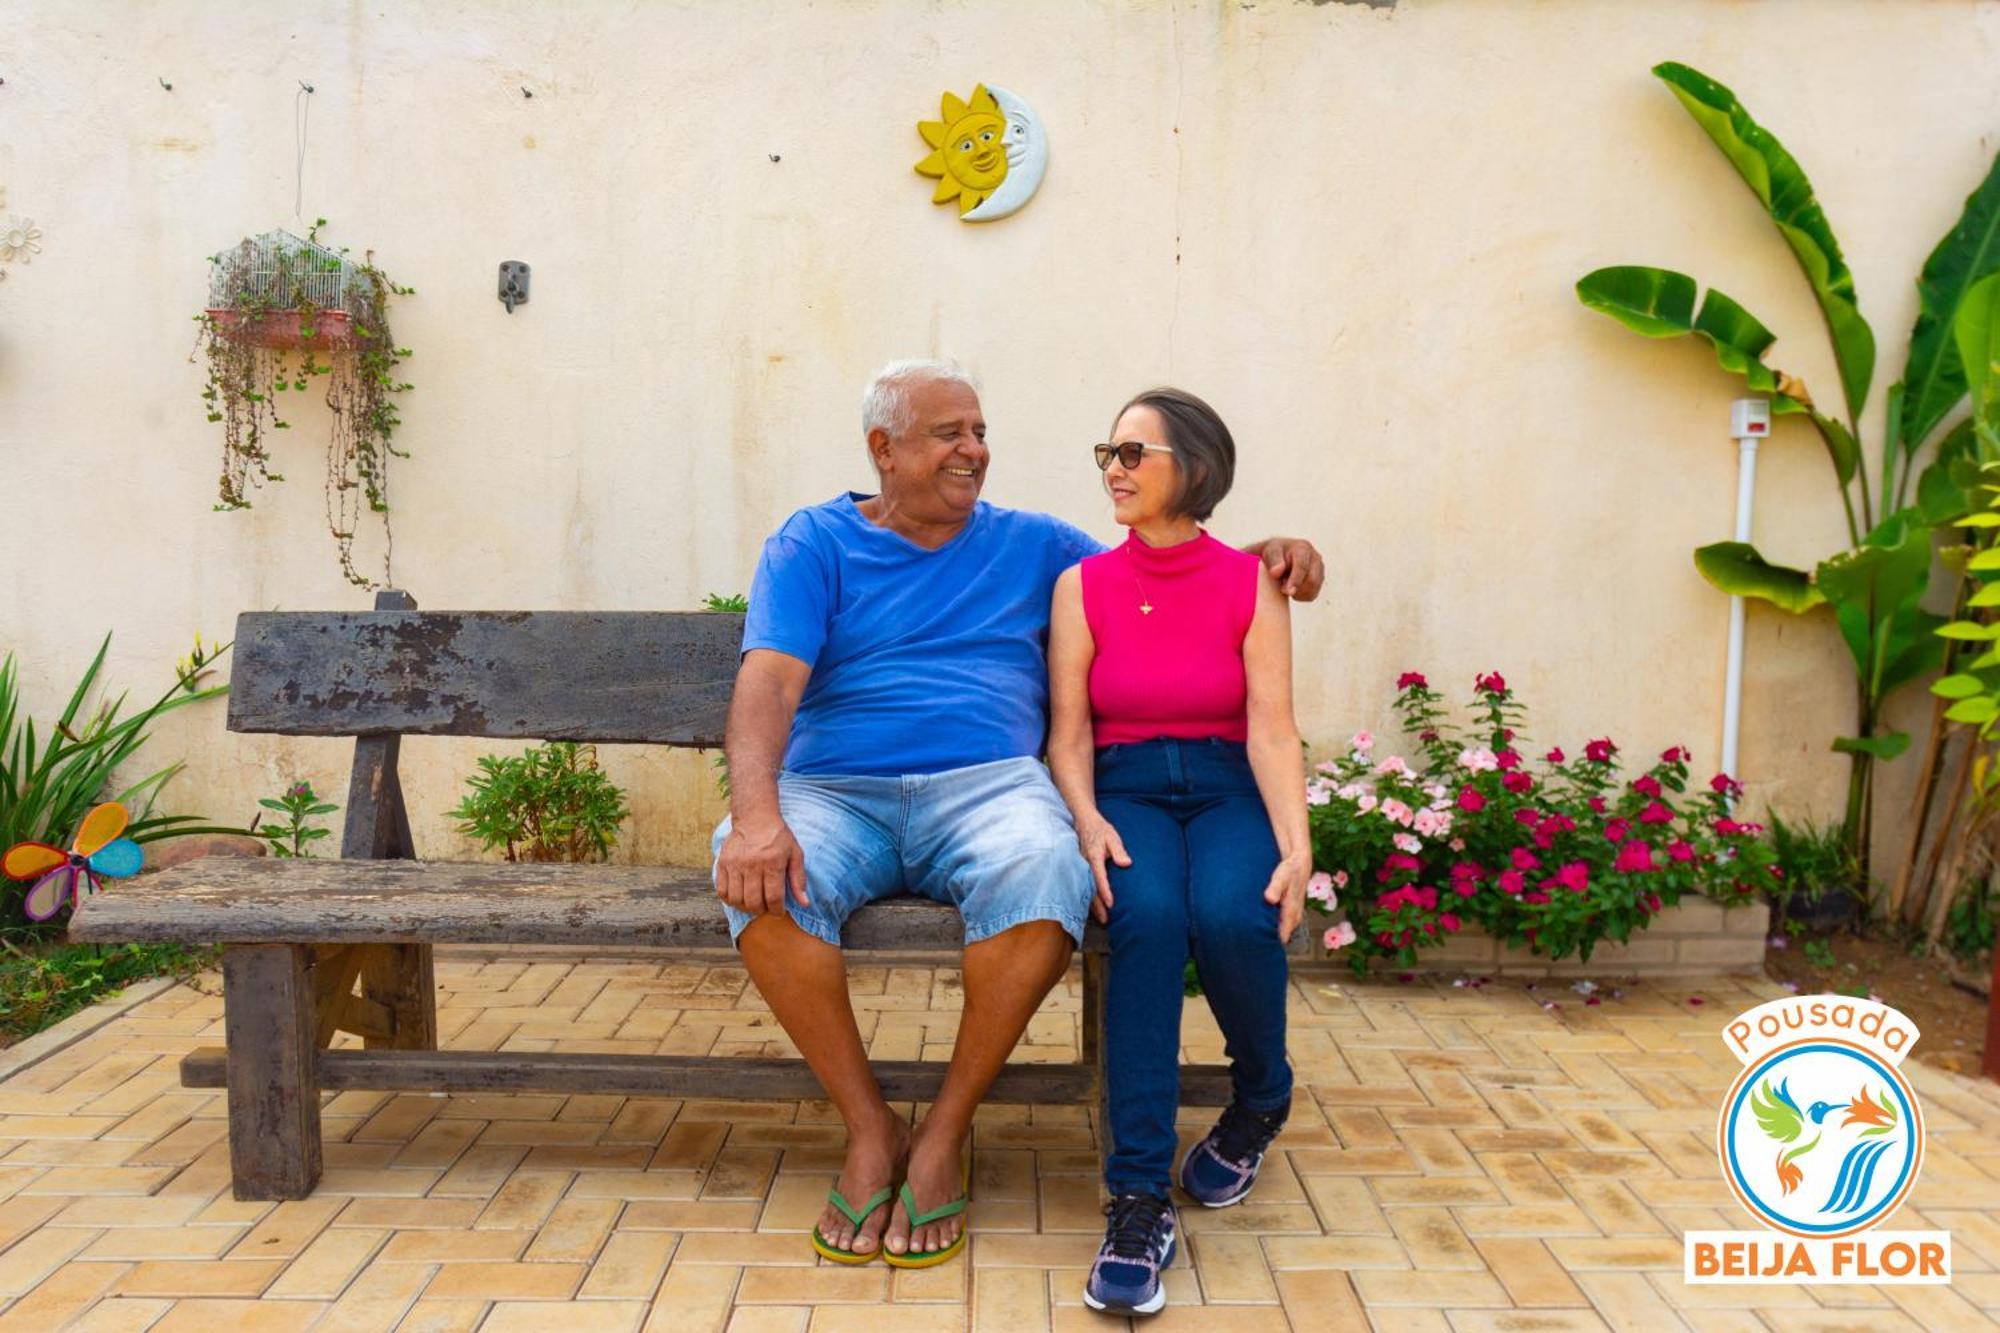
<point x="1173" y="744"/>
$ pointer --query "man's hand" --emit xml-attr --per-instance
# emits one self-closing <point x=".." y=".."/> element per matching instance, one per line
<point x="760" y="860"/>
<point x="1296" y="564"/>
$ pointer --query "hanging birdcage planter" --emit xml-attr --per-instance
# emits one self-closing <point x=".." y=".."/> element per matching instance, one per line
<point x="282" y="312"/>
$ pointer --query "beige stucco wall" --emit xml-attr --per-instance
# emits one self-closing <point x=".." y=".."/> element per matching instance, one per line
<point x="1355" y="229"/>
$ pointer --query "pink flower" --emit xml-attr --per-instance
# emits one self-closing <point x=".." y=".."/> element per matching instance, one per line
<point x="1676" y="754"/>
<point x="1395" y="763"/>
<point x="1634" y="857"/>
<point x="1596" y="804"/>
<point x="1523" y="859"/>
<point x="1648" y="785"/>
<point x="1363" y="741"/>
<point x="1364" y="803"/>
<point x="1395" y="861"/>
<point x="1449" y="921"/>
<point x="1507" y="759"/>
<point x="1512" y="881"/>
<point x="1465" y="888"/>
<point x="1396" y="812"/>
<point x="1600" y="751"/>
<point x="1574" y="876"/>
<point x="1408" y="842"/>
<point x="1652" y="902"/>
<point x="1456" y="844"/>
<point x="1429" y="823"/>
<point x="1725" y="784"/>
<point x="1339" y="935"/>
<point x="1340" y="879"/>
<point x="1479" y="759"/>
<point x="1319" y="888"/>
<point x="1728" y="828"/>
<point x="1412" y="680"/>
<point x="1526" y="816"/>
<point x="1657" y="812"/>
<point x="1681" y="850"/>
<point x="1491" y="683"/>
<point x="1554" y="756"/>
<point x="1517" y="782"/>
<point x="1534" y="896"/>
<point x="1617" y="829"/>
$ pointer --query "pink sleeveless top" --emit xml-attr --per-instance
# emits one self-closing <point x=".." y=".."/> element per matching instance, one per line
<point x="1175" y="669"/>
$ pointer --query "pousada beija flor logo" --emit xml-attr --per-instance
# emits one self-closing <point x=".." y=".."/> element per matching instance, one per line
<point x="1821" y="1139"/>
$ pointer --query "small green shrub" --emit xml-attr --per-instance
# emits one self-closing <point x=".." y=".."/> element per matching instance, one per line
<point x="1968" y="927"/>
<point x="300" y="806"/>
<point x="551" y="803"/>
<point x="38" y="989"/>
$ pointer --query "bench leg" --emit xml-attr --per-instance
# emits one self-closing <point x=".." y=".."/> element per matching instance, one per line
<point x="402" y="979"/>
<point x="1096" y="977"/>
<point x="274" y="1144"/>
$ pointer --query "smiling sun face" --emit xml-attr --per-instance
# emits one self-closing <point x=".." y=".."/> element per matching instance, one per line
<point x="969" y="155"/>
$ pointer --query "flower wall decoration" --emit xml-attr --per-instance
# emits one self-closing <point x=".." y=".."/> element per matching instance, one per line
<point x="20" y="240"/>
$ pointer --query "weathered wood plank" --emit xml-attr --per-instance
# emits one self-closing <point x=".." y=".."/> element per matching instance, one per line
<point x="399" y="981"/>
<point x="258" y="900"/>
<point x="647" y="677"/>
<point x="675" y="1076"/>
<point x="269" y="1069"/>
<point x="333" y="969"/>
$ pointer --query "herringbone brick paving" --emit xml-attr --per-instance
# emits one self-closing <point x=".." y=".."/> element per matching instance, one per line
<point x="1457" y="1158"/>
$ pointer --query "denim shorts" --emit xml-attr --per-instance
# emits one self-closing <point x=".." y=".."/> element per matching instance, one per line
<point x="993" y="840"/>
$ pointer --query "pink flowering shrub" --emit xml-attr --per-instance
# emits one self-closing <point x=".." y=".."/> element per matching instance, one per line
<point x="1556" y="853"/>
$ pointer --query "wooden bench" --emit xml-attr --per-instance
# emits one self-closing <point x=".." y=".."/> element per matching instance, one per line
<point x="319" y="947"/>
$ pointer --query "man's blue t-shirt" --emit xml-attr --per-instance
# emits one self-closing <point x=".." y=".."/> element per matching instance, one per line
<point x="921" y="661"/>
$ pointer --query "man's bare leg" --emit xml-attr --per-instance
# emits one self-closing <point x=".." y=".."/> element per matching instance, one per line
<point x="1006" y="978"/>
<point x="804" y="980"/>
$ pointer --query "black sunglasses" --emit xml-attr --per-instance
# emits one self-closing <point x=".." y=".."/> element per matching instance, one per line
<point x="1128" y="454"/>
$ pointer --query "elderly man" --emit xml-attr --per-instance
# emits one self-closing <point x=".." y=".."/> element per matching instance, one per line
<point x="889" y="713"/>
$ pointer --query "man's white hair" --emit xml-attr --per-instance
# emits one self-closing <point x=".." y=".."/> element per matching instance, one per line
<point x="886" y="402"/>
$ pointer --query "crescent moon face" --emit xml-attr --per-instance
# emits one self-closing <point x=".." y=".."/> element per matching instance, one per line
<point x="1027" y="145"/>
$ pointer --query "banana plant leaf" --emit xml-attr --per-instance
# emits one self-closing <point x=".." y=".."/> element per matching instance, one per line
<point x="1737" y="569"/>
<point x="1780" y="184"/>
<point x="1874" y="589"/>
<point x="1885" y="747"/>
<point x="1976" y="333"/>
<point x="1934" y="376"/>
<point x="1948" y="489"/>
<point x="1659" y="303"/>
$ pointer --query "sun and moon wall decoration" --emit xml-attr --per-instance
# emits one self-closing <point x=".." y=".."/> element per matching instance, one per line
<point x="988" y="154"/>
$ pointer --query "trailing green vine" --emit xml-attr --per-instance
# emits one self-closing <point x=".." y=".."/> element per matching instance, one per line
<point x="282" y="313"/>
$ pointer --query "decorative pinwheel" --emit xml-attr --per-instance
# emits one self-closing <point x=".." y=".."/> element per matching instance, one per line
<point x="72" y="875"/>
<point x="1779" y="1116"/>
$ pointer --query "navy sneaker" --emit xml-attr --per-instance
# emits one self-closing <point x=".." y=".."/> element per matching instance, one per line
<point x="1139" y="1241"/>
<point x="1223" y="1167"/>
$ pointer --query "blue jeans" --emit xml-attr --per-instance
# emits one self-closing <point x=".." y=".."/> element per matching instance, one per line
<point x="1202" y="854"/>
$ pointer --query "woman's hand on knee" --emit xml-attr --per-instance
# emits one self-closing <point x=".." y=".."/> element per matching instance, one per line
<point x="1101" y="845"/>
<point x="1288" y="890"/>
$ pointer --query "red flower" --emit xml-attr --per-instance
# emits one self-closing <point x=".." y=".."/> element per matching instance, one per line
<point x="1523" y="859"/>
<point x="1525" y="816"/>
<point x="1465" y="888"/>
<point x="1468" y="870"/>
<point x="1596" y="804"/>
<point x="1401" y="861"/>
<point x="1492" y="683"/>
<point x="1412" y="679"/>
<point x="1728" y="828"/>
<point x="1534" y="896"/>
<point x="1652" y="902"/>
<point x="1470" y="801"/>
<point x="1617" y="830"/>
<point x="1647" y="785"/>
<point x="1554" y="756"/>
<point x="1575" y="876"/>
<point x="1517" y="782"/>
<point x="1427" y="735"/>
<point x="1512" y="881"/>
<point x="1677" y="754"/>
<point x="1658" y="812"/>
<point x="1449" y="922"/>
<point x="1506" y="733"/>
<point x="1634" y="857"/>
<point x="1725" y="784"/>
<point x="1681" y="850"/>
<point x="1600" y="751"/>
<point x="1507" y="759"/>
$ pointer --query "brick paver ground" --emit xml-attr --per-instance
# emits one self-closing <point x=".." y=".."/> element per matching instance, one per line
<point x="1457" y="1158"/>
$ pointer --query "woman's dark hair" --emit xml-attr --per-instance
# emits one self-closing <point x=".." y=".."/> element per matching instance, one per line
<point x="1202" y="446"/>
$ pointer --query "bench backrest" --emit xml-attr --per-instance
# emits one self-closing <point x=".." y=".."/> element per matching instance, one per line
<point x="640" y="677"/>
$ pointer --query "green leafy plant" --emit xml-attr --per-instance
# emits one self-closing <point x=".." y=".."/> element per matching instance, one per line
<point x="550" y="803"/>
<point x="283" y="313"/>
<point x="1968" y="930"/>
<point x="51" y="776"/>
<point x="1815" y="865"/>
<point x="734" y="601"/>
<point x="1819" y="953"/>
<point x="293" y="839"/>
<point x="1874" y="587"/>
<point x="41" y="988"/>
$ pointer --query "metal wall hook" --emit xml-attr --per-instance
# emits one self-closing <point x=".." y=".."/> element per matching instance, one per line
<point x="513" y="284"/>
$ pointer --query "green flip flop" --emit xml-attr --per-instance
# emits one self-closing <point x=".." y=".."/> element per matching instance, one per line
<point x="827" y="1249"/>
<point x="931" y="1258"/>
